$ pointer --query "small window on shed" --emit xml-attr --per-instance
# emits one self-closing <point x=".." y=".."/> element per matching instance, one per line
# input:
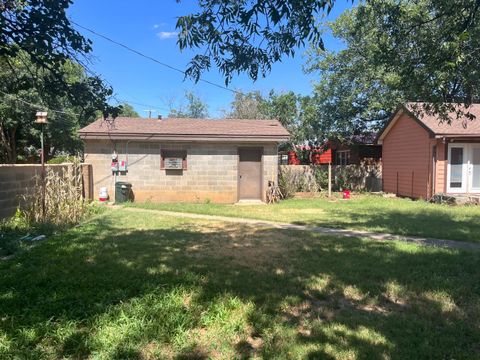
<point x="342" y="157"/>
<point x="173" y="160"/>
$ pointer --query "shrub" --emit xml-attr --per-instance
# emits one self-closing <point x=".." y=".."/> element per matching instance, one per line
<point x="296" y="179"/>
<point x="61" y="159"/>
<point x="320" y="174"/>
<point x="286" y="182"/>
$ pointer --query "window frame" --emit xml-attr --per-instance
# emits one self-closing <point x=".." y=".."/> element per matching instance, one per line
<point x="342" y="157"/>
<point x="174" y="153"/>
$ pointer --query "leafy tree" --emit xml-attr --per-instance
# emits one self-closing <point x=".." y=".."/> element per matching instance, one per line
<point x="24" y="89"/>
<point x="42" y="29"/>
<point x="431" y="45"/>
<point x="127" y="110"/>
<point x="40" y="33"/>
<point x="246" y="35"/>
<point x="284" y="107"/>
<point x="250" y="105"/>
<point x="195" y="108"/>
<point x="383" y="65"/>
<point x="354" y="94"/>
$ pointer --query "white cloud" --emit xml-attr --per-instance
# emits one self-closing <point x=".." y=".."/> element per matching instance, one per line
<point x="159" y="25"/>
<point x="167" y="34"/>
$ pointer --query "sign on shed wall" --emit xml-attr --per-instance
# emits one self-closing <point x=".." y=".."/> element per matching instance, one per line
<point x="173" y="163"/>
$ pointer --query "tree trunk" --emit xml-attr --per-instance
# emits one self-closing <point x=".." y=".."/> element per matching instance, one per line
<point x="8" y="143"/>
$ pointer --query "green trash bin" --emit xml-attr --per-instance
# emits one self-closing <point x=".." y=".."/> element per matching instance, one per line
<point x="123" y="192"/>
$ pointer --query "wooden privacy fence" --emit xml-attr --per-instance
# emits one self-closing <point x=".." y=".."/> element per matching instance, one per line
<point x="363" y="176"/>
<point x="16" y="179"/>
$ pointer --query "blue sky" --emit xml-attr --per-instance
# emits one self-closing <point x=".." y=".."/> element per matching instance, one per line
<point x="149" y="27"/>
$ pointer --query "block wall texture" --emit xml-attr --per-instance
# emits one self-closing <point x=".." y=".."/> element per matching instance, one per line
<point x="16" y="179"/>
<point x="211" y="173"/>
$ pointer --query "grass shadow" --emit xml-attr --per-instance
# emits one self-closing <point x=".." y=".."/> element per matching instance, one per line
<point x="182" y="289"/>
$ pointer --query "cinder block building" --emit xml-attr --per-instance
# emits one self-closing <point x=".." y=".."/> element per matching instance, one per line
<point x="222" y="161"/>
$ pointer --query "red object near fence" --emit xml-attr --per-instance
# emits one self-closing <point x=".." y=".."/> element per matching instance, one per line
<point x="346" y="194"/>
<point x="292" y="158"/>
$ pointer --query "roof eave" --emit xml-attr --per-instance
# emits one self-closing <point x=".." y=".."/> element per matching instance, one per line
<point x="393" y="119"/>
<point x="440" y="136"/>
<point x="197" y="138"/>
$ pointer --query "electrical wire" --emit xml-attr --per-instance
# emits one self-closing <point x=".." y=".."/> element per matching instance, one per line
<point x="42" y="107"/>
<point x="115" y="97"/>
<point x="150" y="58"/>
<point x="37" y="106"/>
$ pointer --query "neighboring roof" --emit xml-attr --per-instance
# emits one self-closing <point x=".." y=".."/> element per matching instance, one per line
<point x="369" y="138"/>
<point x="186" y="129"/>
<point x="460" y="127"/>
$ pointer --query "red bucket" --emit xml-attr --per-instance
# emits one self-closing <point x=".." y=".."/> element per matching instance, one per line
<point x="346" y="194"/>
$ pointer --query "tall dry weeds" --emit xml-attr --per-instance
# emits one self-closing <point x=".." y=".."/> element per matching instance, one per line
<point x="64" y="203"/>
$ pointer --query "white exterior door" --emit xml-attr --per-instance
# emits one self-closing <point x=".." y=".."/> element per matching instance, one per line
<point x="463" y="172"/>
<point x="457" y="168"/>
<point x="474" y="168"/>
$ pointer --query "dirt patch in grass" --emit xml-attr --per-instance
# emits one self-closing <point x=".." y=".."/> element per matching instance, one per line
<point x="239" y="244"/>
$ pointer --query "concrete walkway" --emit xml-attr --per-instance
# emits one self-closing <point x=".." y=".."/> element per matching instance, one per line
<point x="322" y="230"/>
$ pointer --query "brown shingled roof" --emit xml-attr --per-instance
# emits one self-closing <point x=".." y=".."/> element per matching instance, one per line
<point x="186" y="129"/>
<point x="458" y="127"/>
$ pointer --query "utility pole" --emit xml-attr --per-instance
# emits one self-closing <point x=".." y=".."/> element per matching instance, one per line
<point x="150" y="112"/>
<point x="42" y="119"/>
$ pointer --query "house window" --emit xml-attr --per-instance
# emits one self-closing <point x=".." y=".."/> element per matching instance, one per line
<point x="173" y="160"/>
<point x="342" y="157"/>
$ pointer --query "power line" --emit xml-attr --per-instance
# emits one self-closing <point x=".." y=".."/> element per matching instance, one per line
<point x="37" y="106"/>
<point x="120" y="101"/>
<point x="115" y="97"/>
<point x="42" y="107"/>
<point x="149" y="57"/>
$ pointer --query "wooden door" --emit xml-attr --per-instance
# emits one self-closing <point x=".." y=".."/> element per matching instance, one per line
<point x="250" y="173"/>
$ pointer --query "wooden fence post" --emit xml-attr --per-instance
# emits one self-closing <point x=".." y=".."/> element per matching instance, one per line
<point x="87" y="179"/>
<point x="329" y="179"/>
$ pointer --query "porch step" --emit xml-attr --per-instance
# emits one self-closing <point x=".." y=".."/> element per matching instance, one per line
<point x="250" y="202"/>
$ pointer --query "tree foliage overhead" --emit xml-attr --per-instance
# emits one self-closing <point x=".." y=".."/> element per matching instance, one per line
<point x="248" y="36"/>
<point x="41" y="30"/>
<point x="431" y="45"/>
<point x="394" y="51"/>
<point x="354" y="94"/>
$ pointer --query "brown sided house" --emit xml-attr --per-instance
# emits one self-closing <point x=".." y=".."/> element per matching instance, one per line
<point x="185" y="159"/>
<point x="422" y="156"/>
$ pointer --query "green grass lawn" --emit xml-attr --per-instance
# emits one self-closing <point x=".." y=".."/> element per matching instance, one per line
<point x="362" y="212"/>
<point x="141" y="286"/>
